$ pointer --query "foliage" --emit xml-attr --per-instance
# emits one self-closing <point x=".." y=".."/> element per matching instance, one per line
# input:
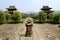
<point x="1" y="17"/>
<point x="42" y="16"/>
<point x="23" y="16"/>
<point x="39" y="17"/>
<point x="56" y="18"/>
<point x="7" y="17"/>
<point x="16" y="16"/>
<point x="50" y="17"/>
<point x="35" y="16"/>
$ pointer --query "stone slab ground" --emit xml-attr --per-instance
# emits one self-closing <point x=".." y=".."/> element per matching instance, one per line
<point x="40" y="32"/>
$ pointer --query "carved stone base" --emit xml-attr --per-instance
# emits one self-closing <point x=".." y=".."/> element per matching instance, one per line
<point x="28" y="34"/>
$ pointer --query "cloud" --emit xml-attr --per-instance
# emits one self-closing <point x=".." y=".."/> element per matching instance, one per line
<point x="36" y="1"/>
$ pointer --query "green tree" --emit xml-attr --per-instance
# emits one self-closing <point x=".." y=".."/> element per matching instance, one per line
<point x="7" y="17"/>
<point x="16" y="16"/>
<point x="56" y="18"/>
<point x="35" y="16"/>
<point x="42" y="16"/>
<point x="2" y="18"/>
<point x="50" y="17"/>
<point x="23" y="16"/>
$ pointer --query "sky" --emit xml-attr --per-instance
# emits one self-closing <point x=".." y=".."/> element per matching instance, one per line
<point x="29" y="5"/>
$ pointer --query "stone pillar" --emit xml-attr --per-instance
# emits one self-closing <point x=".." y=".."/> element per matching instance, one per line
<point x="28" y="28"/>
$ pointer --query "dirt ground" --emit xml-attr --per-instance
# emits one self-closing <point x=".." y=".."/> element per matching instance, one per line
<point x="40" y="32"/>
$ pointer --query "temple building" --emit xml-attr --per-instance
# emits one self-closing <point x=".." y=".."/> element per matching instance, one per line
<point x="11" y="9"/>
<point x="47" y="10"/>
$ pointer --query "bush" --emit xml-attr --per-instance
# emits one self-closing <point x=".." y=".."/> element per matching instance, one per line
<point x="35" y="16"/>
<point x="56" y="18"/>
<point x="23" y="16"/>
<point x="7" y="17"/>
<point x="2" y="18"/>
<point x="42" y="17"/>
<point x="16" y="16"/>
<point x="50" y="18"/>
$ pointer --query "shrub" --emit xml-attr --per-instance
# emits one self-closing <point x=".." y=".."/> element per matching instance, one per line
<point x="42" y="17"/>
<point x="56" y="18"/>
<point x="35" y="16"/>
<point x="23" y="16"/>
<point x="7" y="17"/>
<point x="16" y="16"/>
<point x="50" y="18"/>
<point x="2" y="18"/>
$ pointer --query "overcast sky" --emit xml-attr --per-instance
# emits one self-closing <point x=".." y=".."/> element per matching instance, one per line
<point x="30" y="5"/>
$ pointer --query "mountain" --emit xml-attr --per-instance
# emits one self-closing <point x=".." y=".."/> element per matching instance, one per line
<point x="31" y="12"/>
<point x="58" y="11"/>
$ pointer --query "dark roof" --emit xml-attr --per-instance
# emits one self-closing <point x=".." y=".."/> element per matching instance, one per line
<point x="45" y="8"/>
<point x="12" y="7"/>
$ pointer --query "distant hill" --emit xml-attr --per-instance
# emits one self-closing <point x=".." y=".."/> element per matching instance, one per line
<point x="32" y="12"/>
<point x="56" y="11"/>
